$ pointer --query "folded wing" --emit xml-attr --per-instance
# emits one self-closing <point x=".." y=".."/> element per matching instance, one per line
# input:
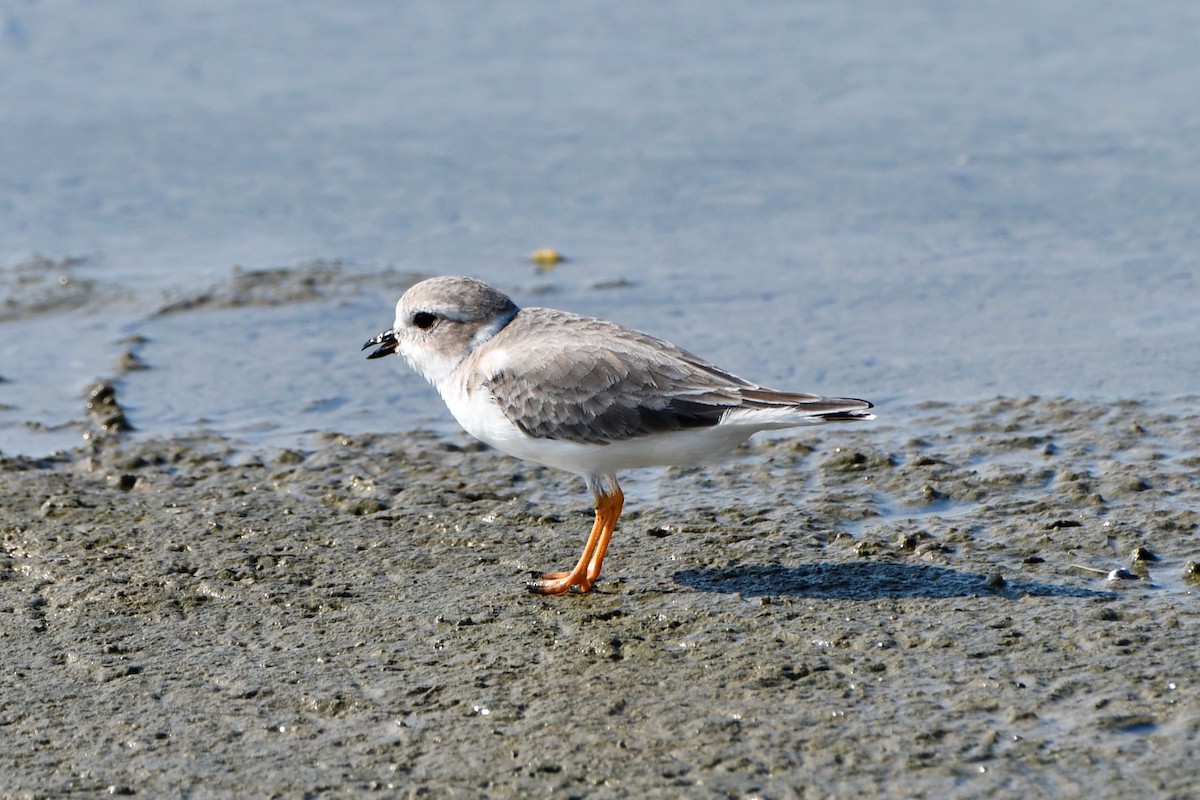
<point x="564" y="387"/>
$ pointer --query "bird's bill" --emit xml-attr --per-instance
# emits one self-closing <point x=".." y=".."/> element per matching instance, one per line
<point x="386" y="341"/>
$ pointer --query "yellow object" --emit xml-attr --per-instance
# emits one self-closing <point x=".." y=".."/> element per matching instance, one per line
<point x="546" y="257"/>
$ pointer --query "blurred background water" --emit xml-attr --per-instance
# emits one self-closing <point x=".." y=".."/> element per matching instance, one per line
<point x="901" y="202"/>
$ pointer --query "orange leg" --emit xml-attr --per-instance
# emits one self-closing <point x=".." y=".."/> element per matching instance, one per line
<point x="616" y="503"/>
<point x="609" y="501"/>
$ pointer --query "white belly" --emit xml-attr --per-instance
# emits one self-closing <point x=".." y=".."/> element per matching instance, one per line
<point x="484" y="420"/>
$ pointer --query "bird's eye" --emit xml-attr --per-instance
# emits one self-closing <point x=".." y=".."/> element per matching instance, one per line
<point x="424" y="320"/>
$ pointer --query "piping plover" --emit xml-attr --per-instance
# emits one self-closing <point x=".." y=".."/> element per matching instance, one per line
<point x="583" y="395"/>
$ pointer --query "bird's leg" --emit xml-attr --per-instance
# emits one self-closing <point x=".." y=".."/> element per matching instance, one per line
<point x="609" y="501"/>
<point x="559" y="582"/>
<point x="616" y="503"/>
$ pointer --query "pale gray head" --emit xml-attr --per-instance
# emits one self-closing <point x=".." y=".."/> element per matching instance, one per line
<point x="441" y="320"/>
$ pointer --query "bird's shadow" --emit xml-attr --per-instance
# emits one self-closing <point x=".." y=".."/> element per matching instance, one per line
<point x="867" y="581"/>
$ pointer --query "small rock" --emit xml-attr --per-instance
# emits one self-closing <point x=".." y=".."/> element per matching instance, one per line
<point x="124" y="481"/>
<point x="59" y="502"/>
<point x="930" y="494"/>
<point x="289" y="457"/>
<point x="1142" y="553"/>
<point x="129" y="361"/>
<point x="104" y="410"/>
<point x="1121" y="575"/>
<point x="870" y="547"/>
<point x="925" y="548"/>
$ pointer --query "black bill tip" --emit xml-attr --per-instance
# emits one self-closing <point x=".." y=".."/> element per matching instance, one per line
<point x="387" y="344"/>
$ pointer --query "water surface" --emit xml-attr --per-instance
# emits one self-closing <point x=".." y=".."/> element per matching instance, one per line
<point x="929" y="201"/>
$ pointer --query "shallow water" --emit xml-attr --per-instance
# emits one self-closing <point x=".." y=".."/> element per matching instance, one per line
<point x="934" y="203"/>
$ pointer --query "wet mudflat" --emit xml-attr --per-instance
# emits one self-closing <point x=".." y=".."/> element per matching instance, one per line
<point x="924" y="202"/>
<point x="917" y="607"/>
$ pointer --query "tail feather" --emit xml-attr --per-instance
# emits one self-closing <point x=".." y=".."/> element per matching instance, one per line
<point x="835" y="409"/>
<point x="761" y="413"/>
<point x="847" y="416"/>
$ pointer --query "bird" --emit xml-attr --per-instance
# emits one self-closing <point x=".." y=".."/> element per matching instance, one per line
<point x="582" y="394"/>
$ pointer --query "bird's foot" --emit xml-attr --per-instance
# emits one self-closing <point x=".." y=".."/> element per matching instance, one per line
<point x="560" y="582"/>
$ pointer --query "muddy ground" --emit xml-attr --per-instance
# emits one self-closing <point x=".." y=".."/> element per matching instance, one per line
<point x="919" y="607"/>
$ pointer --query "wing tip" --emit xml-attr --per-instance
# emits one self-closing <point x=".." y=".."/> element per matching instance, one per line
<point x="856" y="411"/>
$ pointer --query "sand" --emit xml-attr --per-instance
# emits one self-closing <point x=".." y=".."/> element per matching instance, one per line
<point x="849" y="611"/>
